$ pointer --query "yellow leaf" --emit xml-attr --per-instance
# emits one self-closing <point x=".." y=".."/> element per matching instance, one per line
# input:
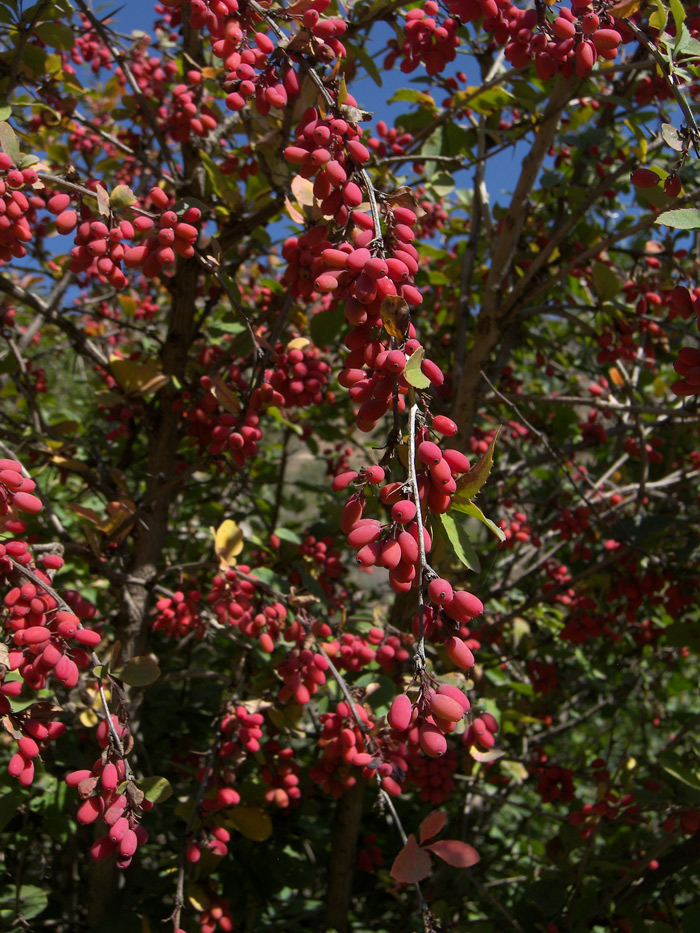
<point x="89" y="718"/>
<point x="137" y="378"/>
<point x="226" y="397"/>
<point x="251" y="822"/>
<point x="625" y="8"/>
<point x="395" y="316"/>
<point x="228" y="542"/>
<point x="198" y="898"/>
<point x="298" y="343"/>
<point x="294" y="214"/>
<point x="303" y="191"/>
<point x="67" y="463"/>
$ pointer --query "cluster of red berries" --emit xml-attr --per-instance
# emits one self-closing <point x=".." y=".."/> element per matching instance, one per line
<point x="99" y="789"/>
<point x="16" y="490"/>
<point x="213" y="841"/>
<point x="569" y="42"/>
<point x="100" y="249"/>
<point x="298" y="377"/>
<point x="17" y="210"/>
<point x="303" y="672"/>
<point x="435" y="713"/>
<point x="281" y="774"/>
<point x="430" y="39"/>
<point x="177" y="615"/>
<point x="236" y="601"/>
<point x="218" y="430"/>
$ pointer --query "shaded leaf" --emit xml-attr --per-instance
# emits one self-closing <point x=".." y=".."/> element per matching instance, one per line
<point x="252" y="822"/>
<point x="137" y="379"/>
<point x="140" y="671"/>
<point x="226" y="397"/>
<point x="433" y="824"/>
<point x="412" y="864"/>
<point x="396" y="317"/>
<point x="454" y="852"/>
<point x="605" y="282"/>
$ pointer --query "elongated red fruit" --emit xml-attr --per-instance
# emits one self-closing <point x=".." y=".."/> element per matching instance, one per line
<point x="459" y="653"/>
<point x="399" y="716"/>
<point x="432" y="741"/>
<point x="445" y="707"/>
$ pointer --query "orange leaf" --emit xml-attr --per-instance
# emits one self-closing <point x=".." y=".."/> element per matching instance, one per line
<point x="625" y="8"/>
<point x="411" y="864"/>
<point x="433" y="824"/>
<point x="454" y="852"/>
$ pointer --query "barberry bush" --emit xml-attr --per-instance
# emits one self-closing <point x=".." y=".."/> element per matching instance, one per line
<point x="349" y="460"/>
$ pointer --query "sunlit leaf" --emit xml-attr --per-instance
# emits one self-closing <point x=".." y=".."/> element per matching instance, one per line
<point x="228" y="541"/>
<point x="470" y="484"/>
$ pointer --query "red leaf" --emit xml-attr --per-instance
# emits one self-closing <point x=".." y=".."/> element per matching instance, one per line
<point x="411" y="864"/>
<point x="454" y="852"/>
<point x="432" y="825"/>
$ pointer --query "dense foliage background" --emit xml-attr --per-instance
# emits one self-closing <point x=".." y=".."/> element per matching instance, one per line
<point x="271" y="276"/>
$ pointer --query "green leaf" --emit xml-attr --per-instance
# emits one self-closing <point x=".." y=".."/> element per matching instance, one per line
<point x="606" y="283"/>
<point x="284" y="534"/>
<point x="413" y="373"/>
<point x="27" y="903"/>
<point x="5" y="112"/>
<point x="140" y="671"/>
<point x="659" y="17"/>
<point x="690" y="920"/>
<point x="8" y="807"/>
<point x="9" y="142"/>
<point x="471" y="483"/>
<point x="469" y="508"/>
<point x="414" y="97"/>
<point x="277" y="416"/>
<point x="461" y="545"/>
<point x="672" y="768"/>
<point x="678" y="14"/>
<point x="57" y="35"/>
<point x="156" y="789"/>
<point x="491" y="101"/>
<point x="326" y="325"/>
<point x="368" y="64"/>
<point x="441" y="183"/>
<point x="686" y="218"/>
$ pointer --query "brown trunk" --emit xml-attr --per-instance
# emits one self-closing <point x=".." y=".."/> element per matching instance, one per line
<point x="346" y="830"/>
